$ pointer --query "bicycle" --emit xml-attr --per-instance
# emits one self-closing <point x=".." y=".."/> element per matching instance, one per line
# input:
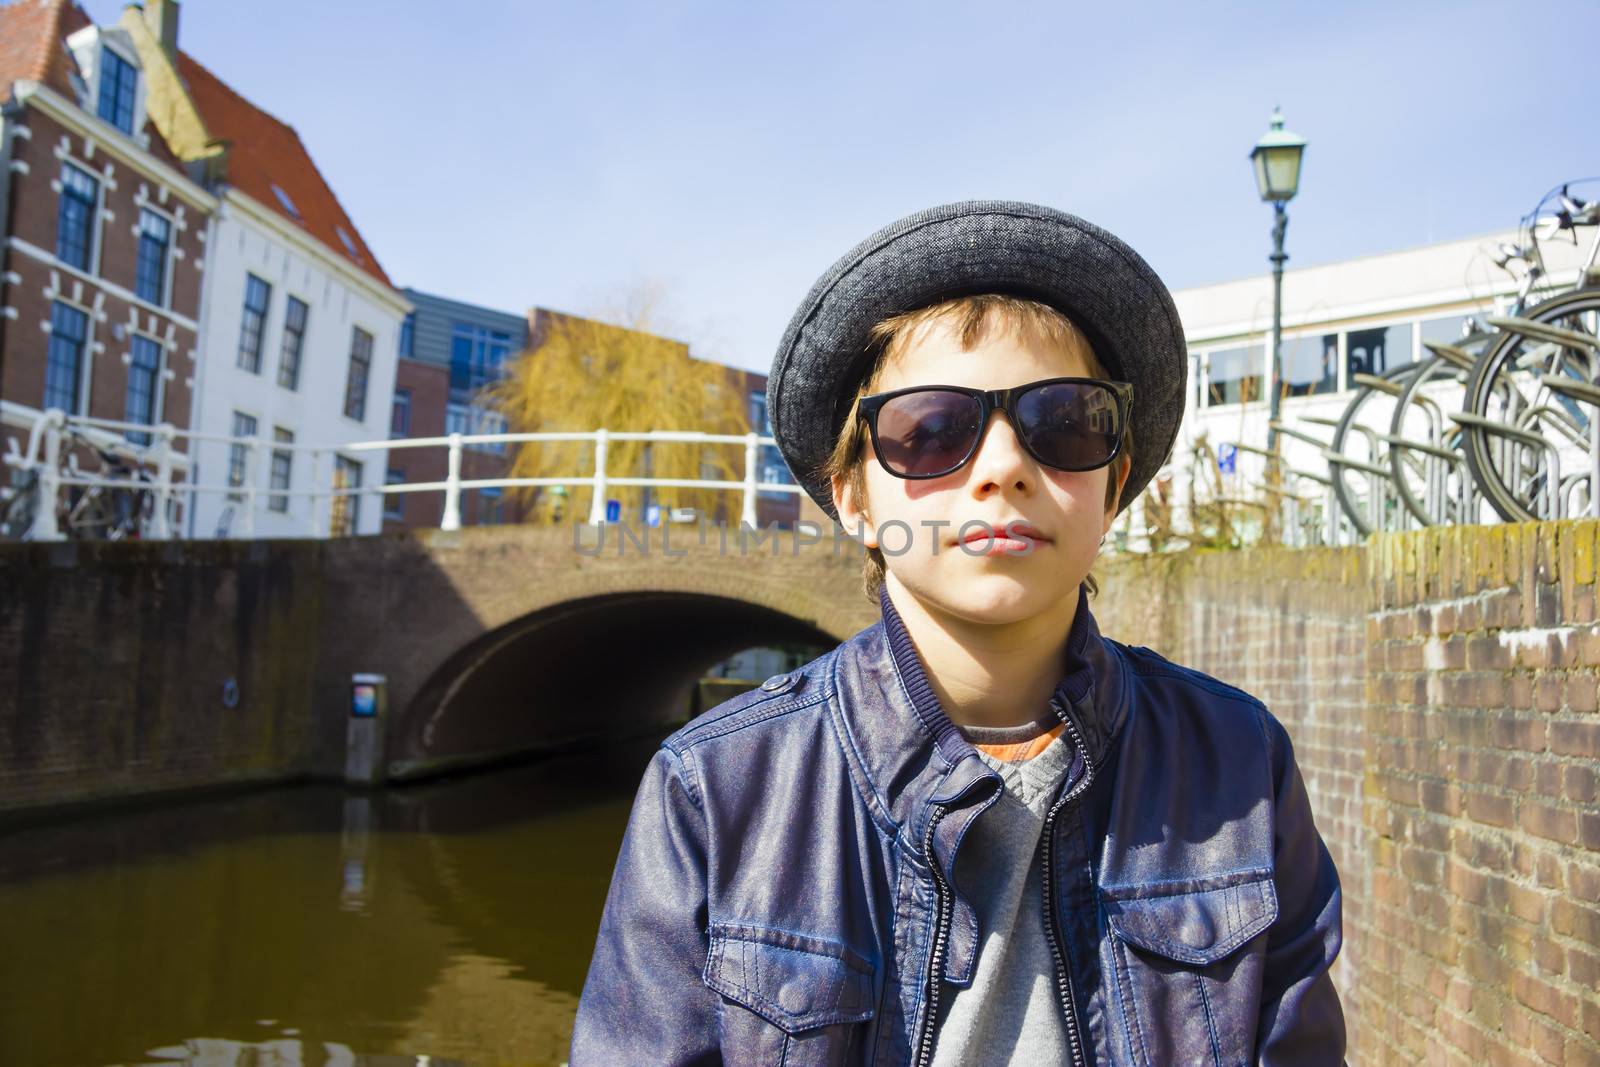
<point x="1529" y="408"/>
<point x="1529" y="411"/>
<point x="92" y="512"/>
<point x="22" y="507"/>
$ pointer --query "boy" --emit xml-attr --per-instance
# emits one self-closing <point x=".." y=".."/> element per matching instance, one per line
<point x="976" y="832"/>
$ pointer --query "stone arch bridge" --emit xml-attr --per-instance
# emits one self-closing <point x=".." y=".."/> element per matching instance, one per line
<point x="144" y="667"/>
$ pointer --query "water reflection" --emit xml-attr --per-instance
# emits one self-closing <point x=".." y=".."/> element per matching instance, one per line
<point x="446" y="923"/>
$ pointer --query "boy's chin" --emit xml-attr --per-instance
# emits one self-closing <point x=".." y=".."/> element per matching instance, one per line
<point x="997" y="599"/>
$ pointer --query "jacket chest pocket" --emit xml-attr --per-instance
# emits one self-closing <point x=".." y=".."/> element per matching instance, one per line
<point x="789" y="998"/>
<point x="1188" y="962"/>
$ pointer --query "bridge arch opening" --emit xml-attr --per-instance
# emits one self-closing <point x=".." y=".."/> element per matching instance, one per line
<point x="585" y="672"/>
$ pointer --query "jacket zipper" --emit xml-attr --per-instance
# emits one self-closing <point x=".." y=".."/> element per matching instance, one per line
<point x="941" y="940"/>
<point x="1047" y="885"/>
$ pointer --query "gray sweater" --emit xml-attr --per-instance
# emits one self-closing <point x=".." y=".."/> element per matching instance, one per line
<point x="1010" y="1013"/>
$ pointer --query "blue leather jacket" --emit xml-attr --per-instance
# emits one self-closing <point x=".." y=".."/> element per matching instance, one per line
<point x="783" y="893"/>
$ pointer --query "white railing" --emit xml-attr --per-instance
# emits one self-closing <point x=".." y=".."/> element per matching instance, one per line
<point x="50" y="430"/>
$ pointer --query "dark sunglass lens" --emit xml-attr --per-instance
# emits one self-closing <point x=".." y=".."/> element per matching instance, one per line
<point x="1070" y="425"/>
<point x="927" y="432"/>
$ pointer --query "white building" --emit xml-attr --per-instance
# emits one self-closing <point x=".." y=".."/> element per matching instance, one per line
<point x="299" y="323"/>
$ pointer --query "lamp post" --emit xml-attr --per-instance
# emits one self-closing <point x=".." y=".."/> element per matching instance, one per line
<point x="1277" y="163"/>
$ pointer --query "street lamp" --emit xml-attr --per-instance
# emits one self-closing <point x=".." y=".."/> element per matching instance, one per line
<point x="1277" y="162"/>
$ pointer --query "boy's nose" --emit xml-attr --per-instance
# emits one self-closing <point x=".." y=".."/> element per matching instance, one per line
<point x="1001" y="460"/>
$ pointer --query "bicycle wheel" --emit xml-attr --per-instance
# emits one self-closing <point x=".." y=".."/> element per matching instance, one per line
<point x="1540" y="431"/>
<point x="90" y="517"/>
<point x="22" y="508"/>
<point x="1361" y="482"/>
<point x="1437" y="490"/>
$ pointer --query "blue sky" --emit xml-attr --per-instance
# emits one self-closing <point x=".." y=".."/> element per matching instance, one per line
<point x="564" y="155"/>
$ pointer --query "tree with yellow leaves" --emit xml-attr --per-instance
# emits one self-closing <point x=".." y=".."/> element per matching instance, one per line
<point x="581" y="374"/>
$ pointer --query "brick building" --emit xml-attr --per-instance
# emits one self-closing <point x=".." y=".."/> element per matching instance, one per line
<point x="448" y="351"/>
<point x="103" y="233"/>
<point x="773" y="508"/>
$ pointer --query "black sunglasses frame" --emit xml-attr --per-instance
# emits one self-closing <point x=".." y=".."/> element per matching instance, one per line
<point x="991" y="400"/>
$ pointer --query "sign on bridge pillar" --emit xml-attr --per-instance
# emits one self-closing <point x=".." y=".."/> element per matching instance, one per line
<point x="363" y="748"/>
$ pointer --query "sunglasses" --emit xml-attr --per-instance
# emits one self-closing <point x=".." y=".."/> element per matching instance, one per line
<point x="928" y="431"/>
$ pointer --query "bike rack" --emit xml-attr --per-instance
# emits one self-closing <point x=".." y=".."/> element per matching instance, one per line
<point x="1532" y="440"/>
<point x="1543" y="331"/>
<point x="1589" y="394"/>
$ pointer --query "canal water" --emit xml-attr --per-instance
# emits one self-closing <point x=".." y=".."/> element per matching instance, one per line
<point x="445" y="923"/>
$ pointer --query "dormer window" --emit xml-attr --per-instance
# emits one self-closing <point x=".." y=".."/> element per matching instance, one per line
<point x="119" y="87"/>
<point x="349" y="243"/>
<point x="288" y="204"/>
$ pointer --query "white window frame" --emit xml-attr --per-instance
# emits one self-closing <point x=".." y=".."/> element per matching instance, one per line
<point x="158" y="402"/>
<point x="96" y="230"/>
<point x="305" y="339"/>
<point x="167" y="268"/>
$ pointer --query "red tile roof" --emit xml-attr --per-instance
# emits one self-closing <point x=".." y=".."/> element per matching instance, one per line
<point x="33" y="44"/>
<point x="33" y="47"/>
<point x="264" y="153"/>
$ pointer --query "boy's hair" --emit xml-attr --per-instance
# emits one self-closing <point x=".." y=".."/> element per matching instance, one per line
<point x="970" y="318"/>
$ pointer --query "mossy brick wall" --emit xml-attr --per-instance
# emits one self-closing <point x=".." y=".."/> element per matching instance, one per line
<point x="116" y="657"/>
<point x="1456" y="788"/>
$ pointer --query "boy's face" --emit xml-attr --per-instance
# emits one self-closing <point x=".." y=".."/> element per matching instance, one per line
<point x="1001" y="483"/>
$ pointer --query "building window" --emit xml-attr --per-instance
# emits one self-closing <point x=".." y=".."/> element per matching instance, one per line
<point x="477" y="358"/>
<point x="282" y="466"/>
<point x="770" y="469"/>
<point x="253" y="328"/>
<point x="1235" y="375"/>
<point x="408" y="334"/>
<point x="355" y="383"/>
<point x="155" y="235"/>
<point x="1377" y="350"/>
<point x="472" y="420"/>
<point x="144" y="370"/>
<point x="400" y="417"/>
<point x="1310" y="365"/>
<point x="244" y="427"/>
<point x="345" y="519"/>
<point x="285" y="200"/>
<point x="294" y="342"/>
<point x="80" y="198"/>
<point x="773" y="472"/>
<point x="481" y="420"/>
<point x="348" y="242"/>
<point x="63" y="372"/>
<point x="394" y="504"/>
<point x="119" y="81"/>
<point x="491" y="508"/>
<point x="1449" y="330"/>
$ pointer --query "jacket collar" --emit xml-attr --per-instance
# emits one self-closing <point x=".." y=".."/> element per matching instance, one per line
<point x="907" y="743"/>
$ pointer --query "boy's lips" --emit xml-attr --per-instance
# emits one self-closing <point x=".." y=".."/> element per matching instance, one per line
<point x="1006" y="531"/>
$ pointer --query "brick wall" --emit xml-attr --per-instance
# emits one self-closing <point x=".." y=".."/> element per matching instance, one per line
<point x="119" y="656"/>
<point x="1440" y="689"/>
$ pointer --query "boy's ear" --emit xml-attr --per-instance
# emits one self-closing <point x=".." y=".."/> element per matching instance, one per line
<point x="1123" y="468"/>
<point x="852" y="516"/>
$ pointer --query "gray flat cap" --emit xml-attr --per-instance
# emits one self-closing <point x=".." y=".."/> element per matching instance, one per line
<point x="979" y="246"/>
